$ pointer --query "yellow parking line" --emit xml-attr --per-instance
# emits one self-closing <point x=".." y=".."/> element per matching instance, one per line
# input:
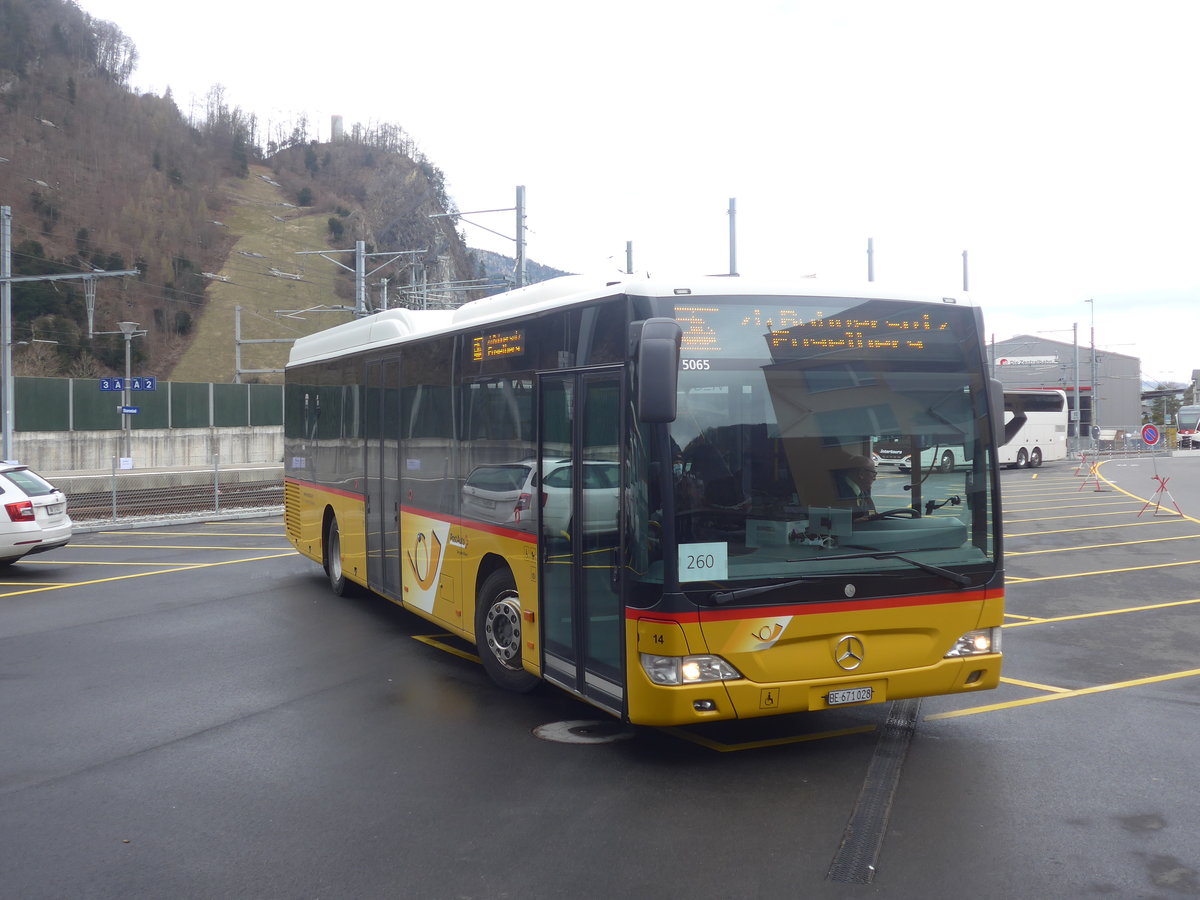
<point x="96" y="562"/>
<point x="1018" y="534"/>
<point x="232" y="524"/>
<point x="1103" y="612"/>
<point x="46" y="584"/>
<point x="1119" y="512"/>
<point x="1043" y="485"/>
<point x="228" y="562"/>
<point x="1082" y="692"/>
<point x="1035" y="686"/>
<point x="1011" y="509"/>
<point x="1040" y="497"/>
<point x="1170" y="565"/>
<point x="179" y="534"/>
<point x="167" y="547"/>
<point x="434" y="640"/>
<point x="1044" y="490"/>
<point x="1178" y="537"/>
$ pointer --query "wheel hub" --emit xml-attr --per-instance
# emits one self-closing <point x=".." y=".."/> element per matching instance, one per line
<point x="503" y="631"/>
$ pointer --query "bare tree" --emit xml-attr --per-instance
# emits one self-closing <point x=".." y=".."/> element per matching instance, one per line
<point x="36" y="359"/>
<point x="115" y="54"/>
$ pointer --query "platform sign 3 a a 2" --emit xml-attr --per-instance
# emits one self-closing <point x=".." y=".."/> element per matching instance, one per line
<point x="136" y="383"/>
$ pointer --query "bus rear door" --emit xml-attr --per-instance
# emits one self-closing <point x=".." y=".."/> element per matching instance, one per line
<point x="382" y="416"/>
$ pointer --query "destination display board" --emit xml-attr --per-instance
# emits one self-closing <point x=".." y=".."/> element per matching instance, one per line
<point x="498" y="344"/>
<point x="866" y="328"/>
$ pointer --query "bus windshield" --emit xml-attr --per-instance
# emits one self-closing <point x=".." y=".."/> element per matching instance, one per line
<point x="792" y="423"/>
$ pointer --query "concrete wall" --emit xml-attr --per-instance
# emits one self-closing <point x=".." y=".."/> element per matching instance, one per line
<point x="80" y="451"/>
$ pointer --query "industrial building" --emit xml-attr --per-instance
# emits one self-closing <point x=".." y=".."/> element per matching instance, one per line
<point x="1105" y="387"/>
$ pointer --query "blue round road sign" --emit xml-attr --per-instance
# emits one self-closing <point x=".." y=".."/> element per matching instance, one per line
<point x="1150" y="434"/>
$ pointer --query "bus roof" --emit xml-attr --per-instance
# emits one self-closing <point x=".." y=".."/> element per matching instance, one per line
<point x="396" y="325"/>
<point x="376" y="330"/>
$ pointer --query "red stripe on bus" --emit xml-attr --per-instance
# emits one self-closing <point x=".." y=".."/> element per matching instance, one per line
<point x="324" y="488"/>
<point x="497" y="530"/>
<point x="808" y="609"/>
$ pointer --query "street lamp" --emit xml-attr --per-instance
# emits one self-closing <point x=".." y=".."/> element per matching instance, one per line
<point x="1076" y="412"/>
<point x="129" y="329"/>
<point x="1096" y="390"/>
<point x="1095" y="419"/>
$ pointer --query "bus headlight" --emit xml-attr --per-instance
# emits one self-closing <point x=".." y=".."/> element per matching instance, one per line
<point x="975" y="643"/>
<point x="687" y="669"/>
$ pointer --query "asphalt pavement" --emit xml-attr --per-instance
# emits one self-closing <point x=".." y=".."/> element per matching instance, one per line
<point x="189" y="713"/>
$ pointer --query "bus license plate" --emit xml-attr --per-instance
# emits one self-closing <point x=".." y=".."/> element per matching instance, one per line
<point x="850" y="695"/>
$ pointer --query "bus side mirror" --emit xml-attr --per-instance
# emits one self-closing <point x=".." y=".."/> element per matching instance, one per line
<point x="658" y="369"/>
<point x="996" y="402"/>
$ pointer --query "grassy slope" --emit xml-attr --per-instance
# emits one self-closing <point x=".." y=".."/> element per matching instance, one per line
<point x="251" y="218"/>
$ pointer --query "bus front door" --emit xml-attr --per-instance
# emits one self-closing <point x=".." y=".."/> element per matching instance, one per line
<point x="580" y="497"/>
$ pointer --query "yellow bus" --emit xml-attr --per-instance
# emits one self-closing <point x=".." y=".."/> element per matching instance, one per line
<point x="659" y="495"/>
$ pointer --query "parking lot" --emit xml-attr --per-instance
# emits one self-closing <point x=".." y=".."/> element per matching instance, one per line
<point x="189" y="712"/>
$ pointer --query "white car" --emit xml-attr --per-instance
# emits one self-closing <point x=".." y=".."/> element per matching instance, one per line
<point x="601" y="485"/>
<point x="35" y="517"/>
<point x="504" y="494"/>
<point x="500" y="493"/>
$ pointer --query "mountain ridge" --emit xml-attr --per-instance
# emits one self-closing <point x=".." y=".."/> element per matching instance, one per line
<point x="99" y="177"/>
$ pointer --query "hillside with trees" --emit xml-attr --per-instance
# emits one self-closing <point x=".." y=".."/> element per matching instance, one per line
<point x="211" y="211"/>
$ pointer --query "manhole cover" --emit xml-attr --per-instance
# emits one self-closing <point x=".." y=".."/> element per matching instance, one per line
<point x="583" y="732"/>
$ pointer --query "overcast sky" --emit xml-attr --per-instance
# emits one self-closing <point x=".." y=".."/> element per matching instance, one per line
<point x="1057" y="141"/>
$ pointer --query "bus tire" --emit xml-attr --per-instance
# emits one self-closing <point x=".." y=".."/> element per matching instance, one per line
<point x="333" y="559"/>
<point x="498" y="633"/>
<point x="1035" y="457"/>
<point x="1022" y="458"/>
<point x="947" y="462"/>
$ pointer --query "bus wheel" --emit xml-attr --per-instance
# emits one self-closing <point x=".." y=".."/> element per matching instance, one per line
<point x="333" y="559"/>
<point x="498" y="633"/>
<point x="947" y="463"/>
<point x="1035" y="457"/>
<point x="1022" y="458"/>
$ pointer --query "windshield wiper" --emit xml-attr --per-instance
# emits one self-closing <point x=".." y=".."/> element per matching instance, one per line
<point x="956" y="577"/>
<point x="722" y="597"/>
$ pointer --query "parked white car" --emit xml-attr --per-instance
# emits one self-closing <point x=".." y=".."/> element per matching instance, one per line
<point x="505" y="494"/>
<point x="34" y="518"/>
<point x="601" y="494"/>
<point x="500" y="493"/>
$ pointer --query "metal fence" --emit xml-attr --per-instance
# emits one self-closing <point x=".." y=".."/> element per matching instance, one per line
<point x="1125" y="441"/>
<point x="172" y="495"/>
<point x="89" y="404"/>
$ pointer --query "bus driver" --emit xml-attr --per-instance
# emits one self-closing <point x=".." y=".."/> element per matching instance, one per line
<point x="859" y="478"/>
